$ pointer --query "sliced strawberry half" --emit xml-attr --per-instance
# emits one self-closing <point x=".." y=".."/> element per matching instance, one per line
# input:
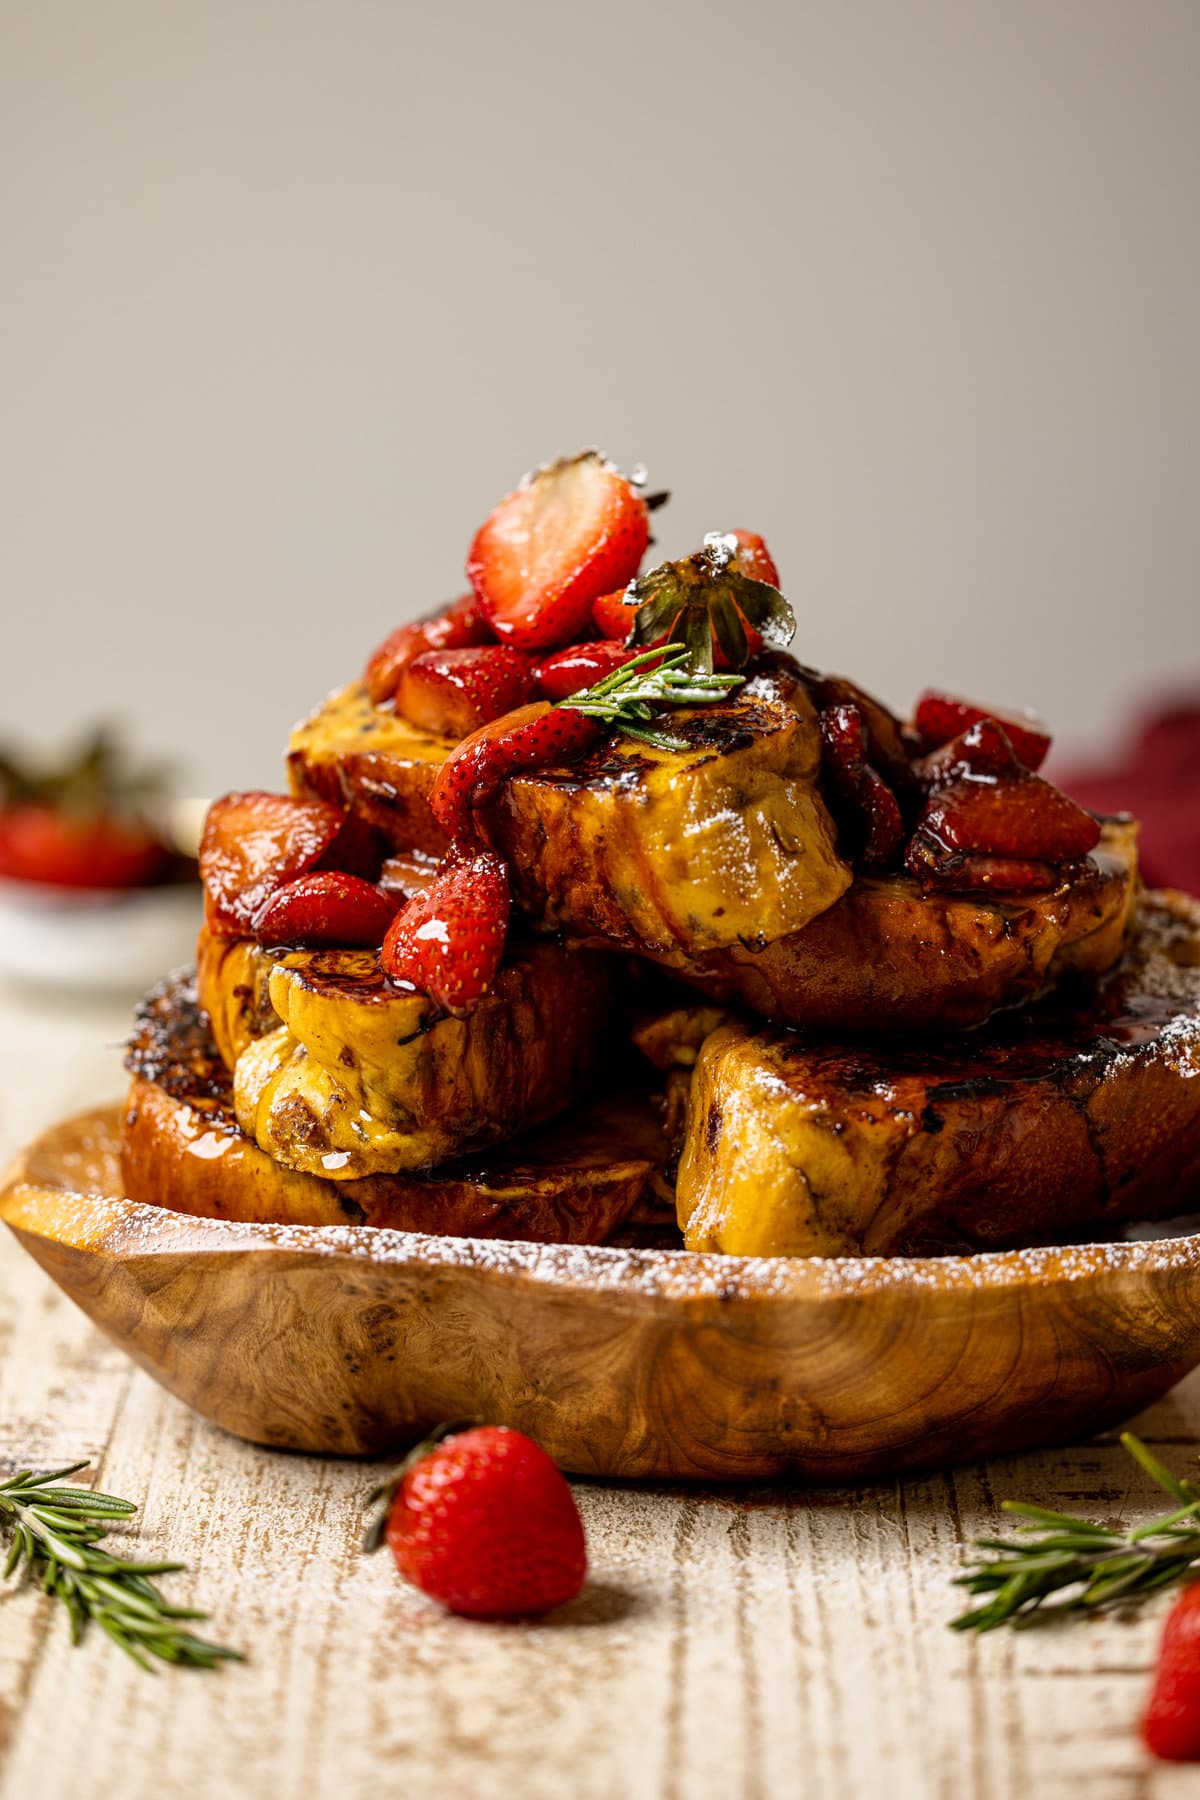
<point x="939" y="717"/>
<point x="568" y="672"/>
<point x="326" y="908"/>
<point x="535" y="737"/>
<point x="571" y="532"/>
<point x="455" y="627"/>
<point x="448" y="941"/>
<point x="253" y="843"/>
<point x="454" y="692"/>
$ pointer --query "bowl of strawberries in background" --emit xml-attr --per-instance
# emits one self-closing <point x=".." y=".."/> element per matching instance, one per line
<point x="97" y="883"/>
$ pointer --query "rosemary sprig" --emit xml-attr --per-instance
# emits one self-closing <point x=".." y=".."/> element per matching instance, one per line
<point x="54" y="1532"/>
<point x="1070" y="1567"/>
<point x="627" y="697"/>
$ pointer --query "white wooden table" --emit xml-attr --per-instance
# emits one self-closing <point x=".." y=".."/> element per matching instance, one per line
<point x="778" y="1641"/>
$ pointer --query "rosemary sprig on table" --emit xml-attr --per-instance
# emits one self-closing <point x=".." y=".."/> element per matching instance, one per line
<point x="1067" y="1566"/>
<point x="54" y="1532"/>
<point x="655" y="678"/>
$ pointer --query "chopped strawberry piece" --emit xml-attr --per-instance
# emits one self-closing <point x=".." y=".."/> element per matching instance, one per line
<point x="570" y="671"/>
<point x="573" y="531"/>
<point x="885" y="746"/>
<point x="254" y="843"/>
<point x="456" y="627"/>
<point x="612" y="615"/>
<point x="325" y="908"/>
<point x="984" y="750"/>
<point x="447" y="942"/>
<point x="958" y="874"/>
<point x="865" y="806"/>
<point x="454" y="692"/>
<point x="1171" y="1726"/>
<point x="536" y="737"/>
<point x="1024" y="817"/>
<point x="939" y="717"/>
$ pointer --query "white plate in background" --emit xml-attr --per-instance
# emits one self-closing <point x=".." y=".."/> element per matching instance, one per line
<point x="96" y="940"/>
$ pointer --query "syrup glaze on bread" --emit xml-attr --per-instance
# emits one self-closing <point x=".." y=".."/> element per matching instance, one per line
<point x="1081" y="1110"/>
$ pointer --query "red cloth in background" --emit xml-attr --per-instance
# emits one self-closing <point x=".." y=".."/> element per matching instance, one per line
<point x="1157" y="779"/>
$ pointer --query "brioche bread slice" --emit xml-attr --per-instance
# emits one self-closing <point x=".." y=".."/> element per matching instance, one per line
<point x="1074" y="1114"/>
<point x="727" y="841"/>
<point x="890" y="956"/>
<point x="574" y="1181"/>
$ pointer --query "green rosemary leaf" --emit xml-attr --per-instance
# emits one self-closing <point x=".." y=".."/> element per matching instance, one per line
<point x="54" y="1536"/>
<point x="1182" y="1491"/>
<point x="1059" y="1566"/>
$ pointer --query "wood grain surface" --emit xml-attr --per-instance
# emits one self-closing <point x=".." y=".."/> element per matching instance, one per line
<point x="776" y="1641"/>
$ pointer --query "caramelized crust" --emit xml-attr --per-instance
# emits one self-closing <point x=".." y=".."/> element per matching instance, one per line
<point x="891" y="956"/>
<point x="642" y="849"/>
<point x="1049" y="1121"/>
<point x="575" y="1183"/>
<point x="360" y="1078"/>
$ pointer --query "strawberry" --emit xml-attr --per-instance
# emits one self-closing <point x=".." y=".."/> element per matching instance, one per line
<point x="454" y="692"/>
<point x="254" y="843"/>
<point x="753" y="558"/>
<point x="612" y="615"/>
<point x="1007" y="829"/>
<point x="1171" y="1726"/>
<point x="448" y="940"/>
<point x="984" y="750"/>
<point x="483" y="1522"/>
<point x="325" y="908"/>
<point x="571" y="532"/>
<point x="1022" y="817"/>
<point x="865" y="806"/>
<point x="536" y="737"/>
<point x="41" y="843"/>
<point x="939" y="717"/>
<point x="568" y="672"/>
<point x="456" y="627"/>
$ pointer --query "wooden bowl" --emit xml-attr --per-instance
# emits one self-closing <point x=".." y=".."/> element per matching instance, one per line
<point x="354" y="1340"/>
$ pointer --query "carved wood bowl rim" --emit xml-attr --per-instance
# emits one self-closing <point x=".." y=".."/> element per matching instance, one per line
<point x="115" y="1226"/>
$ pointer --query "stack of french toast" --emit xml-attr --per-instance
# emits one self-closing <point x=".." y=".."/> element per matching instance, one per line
<point x="594" y="915"/>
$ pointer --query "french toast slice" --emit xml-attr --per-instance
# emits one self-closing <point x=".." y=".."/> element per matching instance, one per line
<point x="339" y="1074"/>
<point x="893" y="956"/>
<point x="1074" y="1114"/>
<point x="727" y="841"/>
<point x="363" y="1080"/>
<point x="575" y="1181"/>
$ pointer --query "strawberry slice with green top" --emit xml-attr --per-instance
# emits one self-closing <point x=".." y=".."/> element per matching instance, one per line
<point x="571" y="532"/>
<point x="709" y="604"/>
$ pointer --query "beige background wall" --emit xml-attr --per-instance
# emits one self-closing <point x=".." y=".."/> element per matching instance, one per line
<point x="292" y="291"/>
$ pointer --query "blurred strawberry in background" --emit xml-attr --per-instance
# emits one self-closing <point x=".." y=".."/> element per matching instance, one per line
<point x="97" y="893"/>
<point x="1157" y="776"/>
<point x="93" y="822"/>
